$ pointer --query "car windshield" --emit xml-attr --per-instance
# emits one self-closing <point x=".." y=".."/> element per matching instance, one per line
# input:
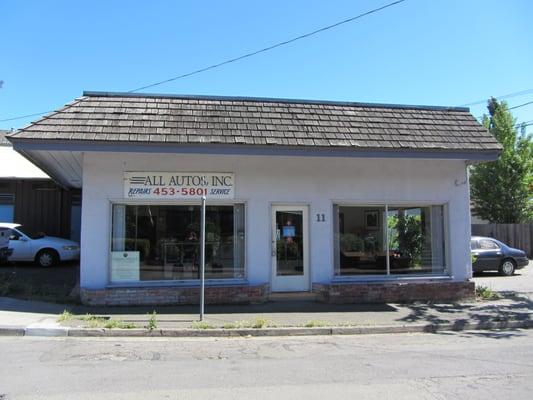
<point x="30" y="234"/>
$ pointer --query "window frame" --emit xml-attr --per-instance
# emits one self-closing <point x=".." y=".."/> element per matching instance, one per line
<point x="498" y="247"/>
<point x="445" y="274"/>
<point x="176" y="282"/>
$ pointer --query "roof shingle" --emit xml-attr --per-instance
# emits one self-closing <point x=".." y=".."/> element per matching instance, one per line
<point x="248" y="121"/>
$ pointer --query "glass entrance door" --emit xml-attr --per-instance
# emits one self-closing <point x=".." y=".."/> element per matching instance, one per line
<point x="290" y="271"/>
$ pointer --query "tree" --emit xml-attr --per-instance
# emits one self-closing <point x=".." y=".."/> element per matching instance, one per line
<point x="502" y="190"/>
<point x="405" y="234"/>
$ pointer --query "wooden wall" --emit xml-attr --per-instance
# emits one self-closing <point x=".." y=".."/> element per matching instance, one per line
<point x="40" y="205"/>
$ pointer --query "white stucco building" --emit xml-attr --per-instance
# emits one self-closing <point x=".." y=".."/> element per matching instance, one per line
<point x="354" y="202"/>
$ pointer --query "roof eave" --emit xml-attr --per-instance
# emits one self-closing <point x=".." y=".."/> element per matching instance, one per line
<point x="24" y="145"/>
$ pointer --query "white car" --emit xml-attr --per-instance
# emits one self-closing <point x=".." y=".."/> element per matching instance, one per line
<point x="45" y="251"/>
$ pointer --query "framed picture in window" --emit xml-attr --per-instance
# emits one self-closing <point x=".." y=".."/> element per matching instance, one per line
<point x="371" y="219"/>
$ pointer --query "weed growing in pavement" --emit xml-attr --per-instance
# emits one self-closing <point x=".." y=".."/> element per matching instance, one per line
<point x="119" y="324"/>
<point x="486" y="293"/>
<point x="92" y="321"/>
<point x="202" y="325"/>
<point x="86" y="317"/>
<point x="315" y="324"/>
<point x="260" y="322"/>
<point x="66" y="315"/>
<point x="152" y="321"/>
<point x="96" y="322"/>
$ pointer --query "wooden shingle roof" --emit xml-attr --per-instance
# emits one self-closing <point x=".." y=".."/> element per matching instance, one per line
<point x="124" y="117"/>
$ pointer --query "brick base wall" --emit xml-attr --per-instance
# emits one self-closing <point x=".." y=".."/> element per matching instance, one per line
<point x="335" y="293"/>
<point x="167" y="295"/>
<point x="393" y="292"/>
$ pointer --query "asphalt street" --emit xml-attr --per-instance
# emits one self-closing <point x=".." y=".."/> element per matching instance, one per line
<point x="473" y="365"/>
<point x="520" y="282"/>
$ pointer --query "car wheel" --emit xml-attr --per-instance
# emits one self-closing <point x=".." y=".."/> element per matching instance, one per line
<point x="47" y="258"/>
<point x="507" y="268"/>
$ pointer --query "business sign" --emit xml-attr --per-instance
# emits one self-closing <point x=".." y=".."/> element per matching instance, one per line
<point x="178" y="185"/>
<point x="125" y="266"/>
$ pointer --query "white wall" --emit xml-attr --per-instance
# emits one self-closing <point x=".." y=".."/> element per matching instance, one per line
<point x="262" y="180"/>
<point x="14" y="165"/>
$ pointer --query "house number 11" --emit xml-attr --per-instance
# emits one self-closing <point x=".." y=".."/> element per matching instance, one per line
<point x="320" y="218"/>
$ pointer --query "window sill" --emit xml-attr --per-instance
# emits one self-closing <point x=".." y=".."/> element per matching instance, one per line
<point x="184" y="283"/>
<point x="391" y="278"/>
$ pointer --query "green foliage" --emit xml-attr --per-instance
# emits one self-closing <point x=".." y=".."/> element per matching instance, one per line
<point x="259" y="323"/>
<point x="351" y="242"/>
<point x="502" y="191"/>
<point x="152" y="321"/>
<point x="315" y="324"/>
<point x="202" y="325"/>
<point x="65" y="316"/>
<point x="119" y="324"/>
<point x="212" y="231"/>
<point x="89" y="317"/>
<point x="485" y="293"/>
<point x="405" y="234"/>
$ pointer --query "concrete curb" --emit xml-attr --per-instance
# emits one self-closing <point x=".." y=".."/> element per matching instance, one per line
<point x="11" y="331"/>
<point x="459" y="325"/>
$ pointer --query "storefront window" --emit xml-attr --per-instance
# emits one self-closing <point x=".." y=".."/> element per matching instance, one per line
<point x="153" y="243"/>
<point x="389" y="240"/>
<point x="361" y="241"/>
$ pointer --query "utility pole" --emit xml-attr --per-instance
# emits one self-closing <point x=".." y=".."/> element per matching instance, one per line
<point x="202" y="258"/>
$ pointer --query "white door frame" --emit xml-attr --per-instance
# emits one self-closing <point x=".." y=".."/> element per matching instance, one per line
<point x="299" y="283"/>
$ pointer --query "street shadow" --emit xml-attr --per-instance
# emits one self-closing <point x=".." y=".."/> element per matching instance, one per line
<point x="471" y="316"/>
<point x="489" y="334"/>
<point x="495" y="274"/>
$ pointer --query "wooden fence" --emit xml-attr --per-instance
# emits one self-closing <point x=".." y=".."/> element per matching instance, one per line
<point x="519" y="236"/>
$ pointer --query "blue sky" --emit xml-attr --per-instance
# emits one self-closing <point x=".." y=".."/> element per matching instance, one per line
<point x="439" y="52"/>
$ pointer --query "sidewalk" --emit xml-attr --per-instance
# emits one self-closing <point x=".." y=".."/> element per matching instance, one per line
<point x="19" y="317"/>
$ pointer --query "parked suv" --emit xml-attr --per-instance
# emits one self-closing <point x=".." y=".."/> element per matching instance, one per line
<point x="492" y="255"/>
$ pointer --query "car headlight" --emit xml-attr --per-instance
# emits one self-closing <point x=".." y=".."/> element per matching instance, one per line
<point x="70" y="247"/>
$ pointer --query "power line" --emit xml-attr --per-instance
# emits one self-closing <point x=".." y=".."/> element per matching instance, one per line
<point x="521" y="105"/>
<point x="25" y="116"/>
<point x="232" y="60"/>
<point x="505" y="96"/>
<point x="512" y="108"/>
<point x="265" y="49"/>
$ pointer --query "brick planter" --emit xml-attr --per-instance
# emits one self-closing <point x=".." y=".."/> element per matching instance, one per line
<point x="393" y="292"/>
<point x="168" y="295"/>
